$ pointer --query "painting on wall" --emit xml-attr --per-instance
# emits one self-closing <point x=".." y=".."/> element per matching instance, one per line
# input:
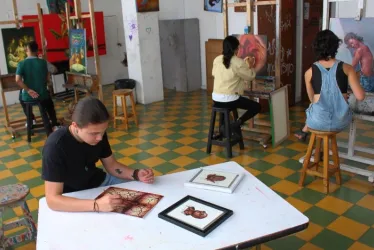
<point x="147" y="5"/>
<point x="14" y="41"/>
<point x="78" y="51"/>
<point x="240" y="8"/>
<point x="213" y="5"/>
<point x="254" y="46"/>
<point x="57" y="36"/>
<point x="58" y="6"/>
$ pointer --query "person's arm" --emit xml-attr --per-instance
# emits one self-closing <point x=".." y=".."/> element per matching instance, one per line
<point x="356" y="57"/>
<point x="21" y="84"/>
<point x="244" y="72"/>
<point x="308" y="84"/>
<point x="354" y="82"/>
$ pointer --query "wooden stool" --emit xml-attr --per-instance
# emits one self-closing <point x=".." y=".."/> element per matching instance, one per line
<point x="328" y="170"/>
<point x="14" y="196"/>
<point x="122" y="93"/>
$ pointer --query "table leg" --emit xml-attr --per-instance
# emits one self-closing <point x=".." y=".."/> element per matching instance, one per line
<point x="258" y="247"/>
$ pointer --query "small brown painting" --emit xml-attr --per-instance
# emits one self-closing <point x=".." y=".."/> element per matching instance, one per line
<point x="214" y="177"/>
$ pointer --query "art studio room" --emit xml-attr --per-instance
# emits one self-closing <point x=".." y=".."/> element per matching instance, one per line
<point x="187" y="124"/>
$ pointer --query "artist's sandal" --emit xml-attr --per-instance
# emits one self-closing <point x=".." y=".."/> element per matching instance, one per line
<point x="301" y="135"/>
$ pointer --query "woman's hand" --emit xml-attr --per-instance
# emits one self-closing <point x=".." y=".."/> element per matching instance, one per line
<point x="250" y="61"/>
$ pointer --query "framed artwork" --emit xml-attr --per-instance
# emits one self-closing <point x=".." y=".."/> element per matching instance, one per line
<point x="14" y="41"/>
<point x="135" y="203"/>
<point x="195" y="215"/>
<point x="213" y="5"/>
<point x="147" y="5"/>
<point x="279" y="112"/>
<point x="215" y="180"/>
<point x="78" y="51"/>
<point x="240" y="8"/>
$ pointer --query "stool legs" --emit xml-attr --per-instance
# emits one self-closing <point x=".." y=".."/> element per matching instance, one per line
<point x="211" y="131"/>
<point x="114" y="111"/>
<point x="326" y="164"/>
<point x="236" y="117"/>
<point x="133" y="108"/>
<point x="29" y="122"/>
<point x="228" y="134"/>
<point x="45" y="119"/>
<point x="307" y="159"/>
<point x="124" y="110"/>
<point x="335" y="153"/>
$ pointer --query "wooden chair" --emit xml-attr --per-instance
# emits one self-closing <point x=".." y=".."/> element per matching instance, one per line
<point x="14" y="196"/>
<point x="122" y="93"/>
<point x="328" y="170"/>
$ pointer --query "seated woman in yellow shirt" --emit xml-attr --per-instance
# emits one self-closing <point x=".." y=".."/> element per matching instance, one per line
<point x="230" y="72"/>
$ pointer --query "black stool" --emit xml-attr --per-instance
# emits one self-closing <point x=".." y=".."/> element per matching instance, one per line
<point x="30" y="127"/>
<point x="227" y="139"/>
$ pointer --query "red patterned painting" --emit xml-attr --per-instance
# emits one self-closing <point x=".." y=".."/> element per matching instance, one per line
<point x="57" y="36"/>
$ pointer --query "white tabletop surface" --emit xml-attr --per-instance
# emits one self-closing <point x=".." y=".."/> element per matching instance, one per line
<point x="258" y="212"/>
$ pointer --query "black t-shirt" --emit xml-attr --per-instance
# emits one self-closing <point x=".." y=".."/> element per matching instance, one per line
<point x="72" y="162"/>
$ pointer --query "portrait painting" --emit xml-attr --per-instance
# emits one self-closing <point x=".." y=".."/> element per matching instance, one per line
<point x="147" y="5"/>
<point x="254" y="46"/>
<point x="135" y="203"/>
<point x="198" y="216"/>
<point x="14" y="41"/>
<point x="213" y="5"/>
<point x="78" y="51"/>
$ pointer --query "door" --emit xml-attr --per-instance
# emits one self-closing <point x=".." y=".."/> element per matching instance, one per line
<point x="313" y="13"/>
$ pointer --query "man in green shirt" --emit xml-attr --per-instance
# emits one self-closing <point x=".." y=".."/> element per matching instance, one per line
<point x="32" y="76"/>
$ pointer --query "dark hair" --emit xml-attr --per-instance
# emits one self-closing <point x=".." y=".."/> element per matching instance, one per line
<point x="33" y="46"/>
<point x="352" y="35"/>
<point x="90" y="110"/>
<point x="326" y="45"/>
<point x="230" y="44"/>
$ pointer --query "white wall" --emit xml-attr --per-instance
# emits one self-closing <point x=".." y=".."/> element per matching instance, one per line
<point x="349" y="9"/>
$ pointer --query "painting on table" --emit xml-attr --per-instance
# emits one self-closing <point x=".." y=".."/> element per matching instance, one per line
<point x="147" y="5"/>
<point x="14" y="41"/>
<point x="135" y="203"/>
<point x="213" y="5"/>
<point x="195" y="215"/>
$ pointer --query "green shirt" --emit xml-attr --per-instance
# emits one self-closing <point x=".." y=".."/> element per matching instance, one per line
<point x="34" y="72"/>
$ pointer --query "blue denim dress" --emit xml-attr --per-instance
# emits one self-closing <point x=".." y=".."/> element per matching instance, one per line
<point x="331" y="112"/>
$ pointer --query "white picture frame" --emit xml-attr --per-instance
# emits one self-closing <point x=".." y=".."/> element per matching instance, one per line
<point x="215" y="180"/>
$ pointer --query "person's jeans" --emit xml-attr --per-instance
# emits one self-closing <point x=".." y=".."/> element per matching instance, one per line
<point x="112" y="180"/>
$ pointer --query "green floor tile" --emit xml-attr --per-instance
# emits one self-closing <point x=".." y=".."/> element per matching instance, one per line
<point x="368" y="238"/>
<point x="198" y="155"/>
<point x="287" y="243"/>
<point x="261" y="165"/>
<point x="320" y="216"/>
<point x="21" y="169"/>
<point x="34" y="182"/>
<point x="330" y="240"/>
<point x="9" y="181"/>
<point x="22" y="148"/>
<point x="347" y="194"/>
<point x="119" y="146"/>
<point x="125" y="138"/>
<point x="198" y="145"/>
<point x="10" y="158"/>
<point x="140" y="156"/>
<point x="175" y="136"/>
<point x="292" y="164"/>
<point x="8" y="214"/>
<point x="194" y="165"/>
<point x="361" y="215"/>
<point x="258" y="154"/>
<point x="150" y="137"/>
<point x="200" y="135"/>
<point x="268" y="180"/>
<point x="33" y="158"/>
<point x="295" y="177"/>
<point x="145" y="146"/>
<point x="287" y="152"/>
<point x="168" y="156"/>
<point x="172" y="145"/>
<point x="154" y="129"/>
<point x="2" y="167"/>
<point x="309" y="195"/>
<point x="165" y="168"/>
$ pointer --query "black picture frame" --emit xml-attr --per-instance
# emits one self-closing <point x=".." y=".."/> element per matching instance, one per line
<point x="226" y="214"/>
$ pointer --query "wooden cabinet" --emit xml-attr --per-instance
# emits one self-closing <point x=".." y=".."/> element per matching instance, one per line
<point x="213" y="48"/>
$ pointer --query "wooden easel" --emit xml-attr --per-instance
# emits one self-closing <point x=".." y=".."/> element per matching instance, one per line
<point x="7" y="82"/>
<point x="79" y="18"/>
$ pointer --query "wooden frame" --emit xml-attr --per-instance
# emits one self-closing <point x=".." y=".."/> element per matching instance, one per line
<point x="82" y="83"/>
<point x="79" y="17"/>
<point x="279" y="134"/>
<point x="326" y="11"/>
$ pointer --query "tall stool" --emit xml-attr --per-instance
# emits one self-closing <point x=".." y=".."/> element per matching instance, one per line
<point x="36" y="128"/>
<point x="227" y="140"/>
<point x="328" y="170"/>
<point x="14" y="196"/>
<point x="122" y="93"/>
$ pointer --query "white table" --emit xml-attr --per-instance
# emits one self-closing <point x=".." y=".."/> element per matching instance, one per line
<point x="260" y="215"/>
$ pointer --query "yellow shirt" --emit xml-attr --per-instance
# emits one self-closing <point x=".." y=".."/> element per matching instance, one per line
<point x="231" y="81"/>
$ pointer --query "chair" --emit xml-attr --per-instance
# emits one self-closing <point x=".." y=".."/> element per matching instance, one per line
<point x="122" y="93"/>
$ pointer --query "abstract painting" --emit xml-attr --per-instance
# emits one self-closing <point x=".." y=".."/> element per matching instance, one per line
<point x="254" y="46"/>
<point x="147" y="5"/>
<point x="213" y="5"/>
<point x="14" y="41"/>
<point x="57" y="35"/>
<point x="195" y="215"/>
<point x="135" y="203"/>
<point x="78" y="51"/>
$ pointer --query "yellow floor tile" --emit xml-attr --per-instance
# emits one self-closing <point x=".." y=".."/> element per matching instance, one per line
<point x="359" y="246"/>
<point x="30" y="152"/>
<point x="312" y="231"/>
<point x="170" y="118"/>
<point x="152" y="162"/>
<point x="37" y="191"/>
<point x="359" y="185"/>
<point x="136" y="141"/>
<point x="300" y="205"/>
<point x="28" y="175"/>
<point x="213" y="159"/>
<point x="126" y="161"/>
<point x="183" y="161"/>
<point x="157" y="150"/>
<point x="33" y="205"/>
<point x="301" y="147"/>
<point x="187" y="140"/>
<point x="28" y="246"/>
<point x="5" y="174"/>
<point x="190" y="124"/>
<point x="16" y="163"/>
<point x="253" y="171"/>
<point x="317" y="185"/>
<point x="367" y="202"/>
<point x="348" y="227"/>
<point x="130" y="151"/>
<point x="286" y="187"/>
<point x="185" y="150"/>
<point x="114" y="141"/>
<point x="36" y="164"/>
<point x="167" y="125"/>
<point x="244" y="159"/>
<point x="334" y="205"/>
<point x="164" y="132"/>
<point x="140" y="133"/>
<point x="280" y="172"/>
<point x="275" y="159"/>
<point x="38" y="144"/>
<point x="117" y="134"/>
<point x="161" y="141"/>
<point x="188" y="132"/>
<point x="310" y="246"/>
<point x="6" y="153"/>
<point x="18" y="144"/>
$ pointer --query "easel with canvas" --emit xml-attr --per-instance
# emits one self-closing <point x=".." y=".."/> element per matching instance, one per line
<point x="7" y="82"/>
<point x="277" y="130"/>
<point x="73" y="78"/>
<point x="350" y="147"/>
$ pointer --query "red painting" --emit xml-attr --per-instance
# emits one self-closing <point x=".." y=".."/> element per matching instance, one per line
<point x="57" y="35"/>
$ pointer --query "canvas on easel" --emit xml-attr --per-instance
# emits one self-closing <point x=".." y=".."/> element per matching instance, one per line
<point x="78" y="51"/>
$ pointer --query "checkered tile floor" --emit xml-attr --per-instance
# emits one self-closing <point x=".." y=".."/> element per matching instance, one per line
<point x="172" y="137"/>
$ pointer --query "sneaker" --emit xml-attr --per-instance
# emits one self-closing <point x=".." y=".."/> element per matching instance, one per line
<point x="33" y="123"/>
